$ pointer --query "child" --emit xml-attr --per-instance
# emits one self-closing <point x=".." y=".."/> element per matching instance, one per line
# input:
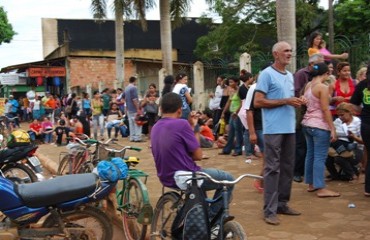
<point x="47" y="129"/>
<point x="61" y="130"/>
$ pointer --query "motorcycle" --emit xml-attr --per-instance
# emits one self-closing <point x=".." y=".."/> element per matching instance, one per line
<point x="63" y="204"/>
<point x="20" y="164"/>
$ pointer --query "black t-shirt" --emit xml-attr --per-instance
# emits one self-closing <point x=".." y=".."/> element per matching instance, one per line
<point x="243" y="90"/>
<point x="62" y="130"/>
<point x="362" y="96"/>
<point x="257" y="115"/>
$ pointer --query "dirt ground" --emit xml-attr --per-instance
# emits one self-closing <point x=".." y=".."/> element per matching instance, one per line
<point x="322" y="218"/>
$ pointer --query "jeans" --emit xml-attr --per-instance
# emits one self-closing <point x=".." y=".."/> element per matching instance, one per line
<point x="116" y="129"/>
<point x="248" y="147"/>
<point x="98" y="120"/>
<point x="235" y="131"/>
<point x="48" y="137"/>
<point x="318" y="142"/>
<point x="135" y="130"/>
<point x="208" y="185"/>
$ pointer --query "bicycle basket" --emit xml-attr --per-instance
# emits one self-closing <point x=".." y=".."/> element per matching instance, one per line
<point x="104" y="154"/>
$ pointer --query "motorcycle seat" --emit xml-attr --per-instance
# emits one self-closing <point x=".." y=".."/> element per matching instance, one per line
<point x="57" y="190"/>
<point x="7" y="152"/>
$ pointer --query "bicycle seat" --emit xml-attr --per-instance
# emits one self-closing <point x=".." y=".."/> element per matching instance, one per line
<point x="133" y="160"/>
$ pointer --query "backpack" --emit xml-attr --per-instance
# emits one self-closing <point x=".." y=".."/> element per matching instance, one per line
<point x="18" y="138"/>
<point x="191" y="221"/>
<point x="113" y="170"/>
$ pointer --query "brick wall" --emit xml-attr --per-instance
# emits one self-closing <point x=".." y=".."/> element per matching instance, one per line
<point x="87" y="70"/>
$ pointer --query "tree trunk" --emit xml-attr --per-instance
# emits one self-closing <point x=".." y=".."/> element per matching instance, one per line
<point x="166" y="35"/>
<point x="286" y="27"/>
<point x="120" y="60"/>
<point x="331" y="26"/>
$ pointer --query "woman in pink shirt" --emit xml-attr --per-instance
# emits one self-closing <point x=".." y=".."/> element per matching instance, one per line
<point x="47" y="129"/>
<point x="319" y="130"/>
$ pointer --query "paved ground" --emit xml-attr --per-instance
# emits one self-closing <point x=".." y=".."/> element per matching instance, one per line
<point x="322" y="218"/>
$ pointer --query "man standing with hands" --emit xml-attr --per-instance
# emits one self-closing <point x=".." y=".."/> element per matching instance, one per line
<point x="275" y="95"/>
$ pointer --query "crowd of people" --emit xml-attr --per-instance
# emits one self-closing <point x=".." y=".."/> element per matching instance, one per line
<point x="310" y="126"/>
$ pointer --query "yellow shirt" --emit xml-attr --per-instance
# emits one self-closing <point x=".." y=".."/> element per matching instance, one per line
<point x="312" y="51"/>
<point x="97" y="107"/>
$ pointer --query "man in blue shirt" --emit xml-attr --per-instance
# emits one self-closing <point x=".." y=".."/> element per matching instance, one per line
<point x="13" y="111"/>
<point x="133" y="109"/>
<point x="275" y="95"/>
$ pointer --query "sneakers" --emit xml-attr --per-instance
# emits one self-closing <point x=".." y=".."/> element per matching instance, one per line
<point x="214" y="231"/>
<point x="272" y="220"/>
<point x="288" y="211"/>
<point x="297" y="179"/>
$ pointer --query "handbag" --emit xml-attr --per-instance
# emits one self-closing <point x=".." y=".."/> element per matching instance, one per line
<point x="68" y="109"/>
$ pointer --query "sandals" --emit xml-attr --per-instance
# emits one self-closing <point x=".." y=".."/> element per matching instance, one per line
<point x="327" y="193"/>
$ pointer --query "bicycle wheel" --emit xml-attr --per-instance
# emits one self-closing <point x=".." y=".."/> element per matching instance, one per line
<point x="19" y="173"/>
<point x="164" y="214"/>
<point x="135" y="212"/>
<point x="90" y="218"/>
<point x="234" y="231"/>
<point x="86" y="167"/>
<point x="66" y="165"/>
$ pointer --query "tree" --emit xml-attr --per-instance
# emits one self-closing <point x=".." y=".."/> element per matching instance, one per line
<point x="250" y="26"/>
<point x="286" y="27"/>
<point x="352" y="17"/>
<point x="121" y="8"/>
<point x="6" y="29"/>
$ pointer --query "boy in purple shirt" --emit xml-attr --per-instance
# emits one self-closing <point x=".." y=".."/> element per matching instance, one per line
<point x="175" y="147"/>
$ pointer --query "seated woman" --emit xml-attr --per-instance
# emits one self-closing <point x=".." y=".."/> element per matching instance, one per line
<point x="347" y="151"/>
<point x="114" y="117"/>
<point x="35" y="130"/>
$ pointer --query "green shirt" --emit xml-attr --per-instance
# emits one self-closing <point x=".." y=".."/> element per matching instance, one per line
<point x="235" y="103"/>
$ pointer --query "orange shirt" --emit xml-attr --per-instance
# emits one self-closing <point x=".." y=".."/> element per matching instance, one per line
<point x="51" y="103"/>
<point x="207" y="132"/>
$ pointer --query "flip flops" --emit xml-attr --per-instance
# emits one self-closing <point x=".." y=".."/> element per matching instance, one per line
<point x="327" y="193"/>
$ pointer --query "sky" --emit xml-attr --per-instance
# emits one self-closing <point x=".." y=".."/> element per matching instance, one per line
<point x="25" y="17"/>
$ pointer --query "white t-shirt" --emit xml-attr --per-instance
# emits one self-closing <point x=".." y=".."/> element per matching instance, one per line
<point x="214" y="103"/>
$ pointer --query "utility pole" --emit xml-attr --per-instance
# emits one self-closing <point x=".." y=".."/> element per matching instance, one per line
<point x="331" y="26"/>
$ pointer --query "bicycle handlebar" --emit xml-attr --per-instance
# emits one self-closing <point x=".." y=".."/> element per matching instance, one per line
<point x="90" y="141"/>
<point x="222" y="182"/>
<point x="122" y="149"/>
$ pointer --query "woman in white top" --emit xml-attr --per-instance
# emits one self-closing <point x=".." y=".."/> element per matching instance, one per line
<point x="182" y="89"/>
<point x="215" y="100"/>
<point x="36" y="108"/>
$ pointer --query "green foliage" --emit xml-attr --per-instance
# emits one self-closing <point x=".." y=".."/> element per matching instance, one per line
<point x="6" y="29"/>
<point x="352" y="17"/>
<point x="249" y="26"/>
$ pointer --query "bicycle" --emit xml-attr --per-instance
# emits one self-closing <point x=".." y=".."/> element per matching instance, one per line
<point x="80" y="159"/>
<point x="170" y="203"/>
<point x="132" y="198"/>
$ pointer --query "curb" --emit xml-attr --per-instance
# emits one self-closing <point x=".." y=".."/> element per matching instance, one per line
<point x="47" y="163"/>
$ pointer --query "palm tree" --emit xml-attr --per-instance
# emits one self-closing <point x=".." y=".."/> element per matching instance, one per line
<point x="286" y="28"/>
<point x="170" y="10"/>
<point x="121" y="8"/>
